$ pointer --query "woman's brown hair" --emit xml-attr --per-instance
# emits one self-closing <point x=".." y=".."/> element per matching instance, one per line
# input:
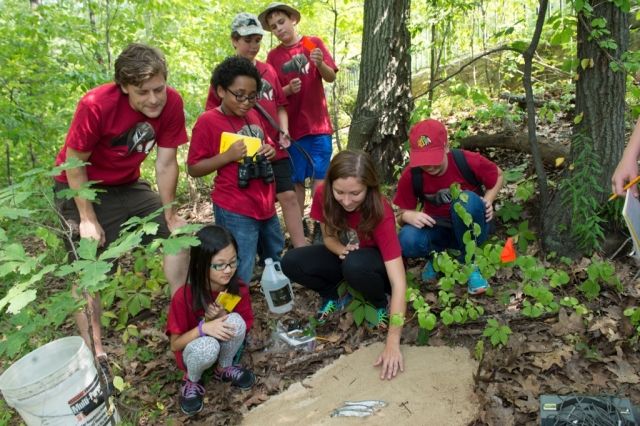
<point x="356" y="164"/>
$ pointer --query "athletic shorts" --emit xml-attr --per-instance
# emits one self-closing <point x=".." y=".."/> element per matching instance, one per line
<point x="115" y="206"/>
<point x="282" y="174"/>
<point x="310" y="156"/>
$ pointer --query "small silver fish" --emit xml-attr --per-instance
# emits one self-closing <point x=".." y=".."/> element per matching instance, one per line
<point x="348" y="412"/>
<point x="371" y="403"/>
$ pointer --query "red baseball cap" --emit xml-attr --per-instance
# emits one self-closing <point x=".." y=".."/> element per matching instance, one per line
<point x="428" y="139"/>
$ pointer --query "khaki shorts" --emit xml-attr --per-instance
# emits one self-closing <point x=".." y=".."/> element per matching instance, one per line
<point x="114" y="206"/>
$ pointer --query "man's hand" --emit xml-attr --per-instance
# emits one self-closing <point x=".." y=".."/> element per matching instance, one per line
<point x="173" y="220"/>
<point x="93" y="230"/>
<point x="626" y="171"/>
<point x="418" y="219"/>
<point x="488" y="209"/>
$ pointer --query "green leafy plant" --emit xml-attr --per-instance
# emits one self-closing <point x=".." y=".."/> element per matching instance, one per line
<point x="497" y="333"/>
<point x="586" y="223"/>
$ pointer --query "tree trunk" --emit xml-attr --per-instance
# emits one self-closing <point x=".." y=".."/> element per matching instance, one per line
<point x="600" y="91"/>
<point x="384" y="103"/>
<point x="600" y="110"/>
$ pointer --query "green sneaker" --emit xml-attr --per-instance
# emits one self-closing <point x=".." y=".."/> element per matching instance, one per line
<point x="428" y="273"/>
<point x="329" y="306"/>
<point x="382" y="319"/>
<point x="477" y="284"/>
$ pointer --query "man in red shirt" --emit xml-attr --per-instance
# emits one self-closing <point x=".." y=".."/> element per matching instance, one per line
<point x="114" y="127"/>
<point x="437" y="227"/>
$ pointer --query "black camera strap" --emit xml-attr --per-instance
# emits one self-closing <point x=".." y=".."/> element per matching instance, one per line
<point x="269" y="118"/>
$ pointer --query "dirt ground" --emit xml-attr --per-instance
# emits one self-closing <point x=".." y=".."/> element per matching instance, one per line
<point x="436" y="388"/>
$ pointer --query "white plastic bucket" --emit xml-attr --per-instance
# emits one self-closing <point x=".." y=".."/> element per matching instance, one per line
<point x="56" y="384"/>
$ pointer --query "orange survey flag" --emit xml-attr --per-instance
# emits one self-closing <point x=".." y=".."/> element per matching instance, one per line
<point x="508" y="252"/>
<point x="308" y="44"/>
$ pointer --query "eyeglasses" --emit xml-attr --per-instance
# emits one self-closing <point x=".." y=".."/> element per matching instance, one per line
<point x="244" y="98"/>
<point x="222" y="266"/>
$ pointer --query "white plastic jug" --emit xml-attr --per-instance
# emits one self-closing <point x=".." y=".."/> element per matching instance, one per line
<point x="276" y="287"/>
<point x="57" y="384"/>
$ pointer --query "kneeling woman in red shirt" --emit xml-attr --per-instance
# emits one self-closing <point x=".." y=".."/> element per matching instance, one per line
<point x="360" y="246"/>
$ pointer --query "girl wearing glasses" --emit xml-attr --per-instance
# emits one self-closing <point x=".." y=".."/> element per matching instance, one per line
<point x="201" y="331"/>
<point x="243" y="201"/>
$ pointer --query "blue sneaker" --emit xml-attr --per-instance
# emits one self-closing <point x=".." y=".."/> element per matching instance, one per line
<point x="477" y="284"/>
<point x="329" y="306"/>
<point x="382" y="319"/>
<point x="428" y="273"/>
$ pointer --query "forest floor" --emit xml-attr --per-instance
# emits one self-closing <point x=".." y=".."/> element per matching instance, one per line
<point x="563" y="353"/>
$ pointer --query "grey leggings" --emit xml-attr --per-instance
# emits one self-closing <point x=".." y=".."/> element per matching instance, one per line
<point x="202" y="353"/>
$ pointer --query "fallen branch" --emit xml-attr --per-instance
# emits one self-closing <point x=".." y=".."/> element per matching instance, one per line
<point x="520" y="142"/>
<point x="314" y="356"/>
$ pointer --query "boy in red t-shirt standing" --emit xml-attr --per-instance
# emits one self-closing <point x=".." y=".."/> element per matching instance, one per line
<point x="437" y="227"/>
<point x="246" y="36"/>
<point x="302" y="63"/>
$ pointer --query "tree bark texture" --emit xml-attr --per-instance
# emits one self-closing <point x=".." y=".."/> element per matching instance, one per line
<point x="600" y="96"/>
<point x="384" y="103"/>
<point x="600" y="91"/>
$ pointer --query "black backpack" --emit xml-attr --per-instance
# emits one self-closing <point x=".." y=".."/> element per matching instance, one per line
<point x="467" y="174"/>
<point x="461" y="161"/>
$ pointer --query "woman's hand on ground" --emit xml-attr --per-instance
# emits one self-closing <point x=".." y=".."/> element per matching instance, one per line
<point x="391" y="362"/>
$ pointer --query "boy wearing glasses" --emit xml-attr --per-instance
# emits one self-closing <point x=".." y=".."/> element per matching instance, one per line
<point x="302" y="64"/>
<point x="246" y="36"/>
<point x="242" y="202"/>
<point x="114" y="127"/>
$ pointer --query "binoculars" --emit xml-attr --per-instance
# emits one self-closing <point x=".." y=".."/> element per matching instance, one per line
<point x="254" y="168"/>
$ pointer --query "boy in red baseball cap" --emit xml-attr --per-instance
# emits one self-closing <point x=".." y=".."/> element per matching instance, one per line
<point x="433" y="167"/>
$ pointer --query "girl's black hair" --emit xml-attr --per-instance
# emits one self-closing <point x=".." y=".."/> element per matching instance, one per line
<point x="226" y="72"/>
<point x="213" y="239"/>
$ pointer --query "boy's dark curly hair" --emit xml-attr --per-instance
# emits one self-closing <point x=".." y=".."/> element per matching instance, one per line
<point x="226" y="72"/>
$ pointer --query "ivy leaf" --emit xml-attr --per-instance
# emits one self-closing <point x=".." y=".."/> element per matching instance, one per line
<point x="371" y="314"/>
<point x="358" y="314"/>
<point x="174" y="245"/>
<point x="116" y="250"/>
<point x="87" y="248"/>
<point x="427" y="320"/>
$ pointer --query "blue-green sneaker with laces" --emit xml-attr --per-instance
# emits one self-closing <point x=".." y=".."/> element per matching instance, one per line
<point x="382" y="319"/>
<point x="428" y="273"/>
<point x="329" y="306"/>
<point x="477" y="284"/>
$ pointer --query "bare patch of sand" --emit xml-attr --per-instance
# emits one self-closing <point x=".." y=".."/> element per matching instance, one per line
<point x="436" y="388"/>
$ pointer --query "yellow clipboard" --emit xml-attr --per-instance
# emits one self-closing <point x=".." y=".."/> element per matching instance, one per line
<point x="227" y="139"/>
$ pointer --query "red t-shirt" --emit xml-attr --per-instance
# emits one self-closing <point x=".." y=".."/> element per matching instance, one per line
<point x="182" y="319"/>
<point x="258" y="199"/>
<point x="385" y="237"/>
<point x="100" y="124"/>
<point x="307" y="109"/>
<point x="485" y="170"/>
<point x="270" y="98"/>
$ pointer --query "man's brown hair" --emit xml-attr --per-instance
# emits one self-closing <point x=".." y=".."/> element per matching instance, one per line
<point x="137" y="63"/>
